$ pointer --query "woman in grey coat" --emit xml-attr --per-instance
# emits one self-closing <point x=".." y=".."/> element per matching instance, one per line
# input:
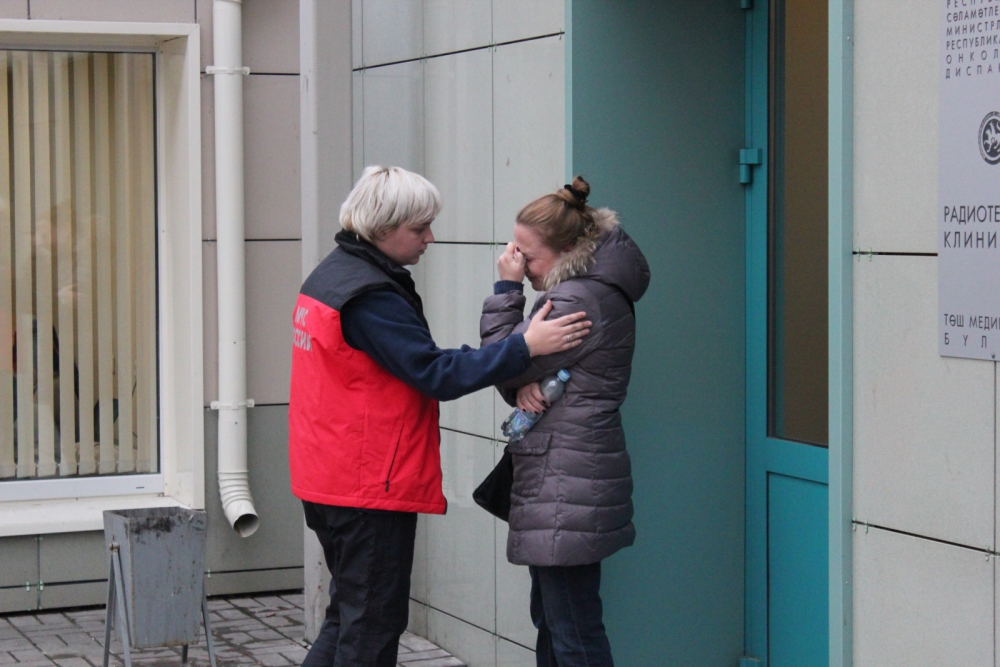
<point x="571" y="501"/>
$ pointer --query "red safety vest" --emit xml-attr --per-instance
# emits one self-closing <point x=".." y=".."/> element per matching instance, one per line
<point x="358" y="436"/>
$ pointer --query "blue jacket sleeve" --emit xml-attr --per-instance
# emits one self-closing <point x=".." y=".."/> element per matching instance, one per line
<point x="383" y="325"/>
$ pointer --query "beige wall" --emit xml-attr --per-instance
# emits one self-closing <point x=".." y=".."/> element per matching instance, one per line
<point x="924" y="426"/>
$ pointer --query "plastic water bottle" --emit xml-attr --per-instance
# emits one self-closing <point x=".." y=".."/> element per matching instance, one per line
<point x="520" y="422"/>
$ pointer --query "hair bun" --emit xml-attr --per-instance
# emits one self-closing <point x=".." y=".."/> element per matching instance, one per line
<point x="579" y="191"/>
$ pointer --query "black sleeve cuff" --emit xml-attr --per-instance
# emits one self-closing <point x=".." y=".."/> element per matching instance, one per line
<point x="505" y="286"/>
<point x="522" y="349"/>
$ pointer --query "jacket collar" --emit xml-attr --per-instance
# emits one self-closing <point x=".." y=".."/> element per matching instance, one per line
<point x="577" y="261"/>
<point x="353" y="244"/>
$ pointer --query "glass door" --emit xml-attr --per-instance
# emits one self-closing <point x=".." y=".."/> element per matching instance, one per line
<point x="787" y="387"/>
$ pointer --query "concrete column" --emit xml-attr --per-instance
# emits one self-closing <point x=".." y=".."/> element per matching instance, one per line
<point x="325" y="48"/>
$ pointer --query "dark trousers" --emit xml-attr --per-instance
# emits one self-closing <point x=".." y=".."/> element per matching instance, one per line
<point x="566" y="608"/>
<point x="370" y="556"/>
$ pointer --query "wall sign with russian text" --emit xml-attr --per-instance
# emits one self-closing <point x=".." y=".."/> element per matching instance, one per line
<point x="969" y="181"/>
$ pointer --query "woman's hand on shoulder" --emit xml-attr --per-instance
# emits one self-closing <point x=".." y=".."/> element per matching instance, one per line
<point x="551" y="336"/>
<point x="510" y="266"/>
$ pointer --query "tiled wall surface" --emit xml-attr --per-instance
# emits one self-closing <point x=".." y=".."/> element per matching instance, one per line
<point x="73" y="566"/>
<point x="925" y="427"/>
<point x="487" y="126"/>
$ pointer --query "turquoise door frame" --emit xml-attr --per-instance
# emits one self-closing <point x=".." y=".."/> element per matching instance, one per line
<point x="770" y="458"/>
<point x="841" y="323"/>
<point x="786" y="522"/>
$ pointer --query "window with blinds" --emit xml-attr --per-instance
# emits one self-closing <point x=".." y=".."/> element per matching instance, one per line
<point x="78" y="313"/>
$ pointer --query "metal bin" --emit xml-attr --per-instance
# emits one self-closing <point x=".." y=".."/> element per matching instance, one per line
<point x="156" y="578"/>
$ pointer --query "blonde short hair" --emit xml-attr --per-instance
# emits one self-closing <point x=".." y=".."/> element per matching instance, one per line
<point x="385" y="198"/>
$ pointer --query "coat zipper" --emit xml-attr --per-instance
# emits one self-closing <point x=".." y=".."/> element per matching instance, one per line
<point x="388" y="475"/>
<point x="392" y="461"/>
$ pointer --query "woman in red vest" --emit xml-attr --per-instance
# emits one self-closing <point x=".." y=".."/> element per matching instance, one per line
<point x="363" y="415"/>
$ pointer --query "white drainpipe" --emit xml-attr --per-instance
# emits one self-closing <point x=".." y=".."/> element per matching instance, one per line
<point x="234" y="486"/>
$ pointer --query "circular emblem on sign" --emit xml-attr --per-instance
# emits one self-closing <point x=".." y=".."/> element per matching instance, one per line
<point x="989" y="138"/>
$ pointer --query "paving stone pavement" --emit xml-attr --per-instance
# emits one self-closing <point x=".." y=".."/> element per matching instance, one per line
<point x="265" y="630"/>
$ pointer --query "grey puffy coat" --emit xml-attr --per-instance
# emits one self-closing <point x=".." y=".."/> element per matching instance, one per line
<point x="571" y="503"/>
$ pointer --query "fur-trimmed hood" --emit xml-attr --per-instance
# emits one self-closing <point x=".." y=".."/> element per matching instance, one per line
<point x="612" y="258"/>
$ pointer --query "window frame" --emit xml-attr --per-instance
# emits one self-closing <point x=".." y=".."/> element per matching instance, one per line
<point x="32" y="507"/>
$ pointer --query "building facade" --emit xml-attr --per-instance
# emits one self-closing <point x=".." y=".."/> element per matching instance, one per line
<point x="814" y="483"/>
<point x="122" y="173"/>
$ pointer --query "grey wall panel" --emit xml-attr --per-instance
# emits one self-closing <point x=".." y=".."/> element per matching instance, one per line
<point x="18" y="560"/>
<point x="14" y="9"/>
<point x="72" y="557"/>
<point x="203" y="14"/>
<point x="273" y="280"/>
<point x="272" y="157"/>
<point x="274" y="275"/>
<point x="230" y="583"/>
<point x="85" y="594"/>
<point x="207" y="158"/>
<point x="278" y="542"/>
<point x="14" y="600"/>
<point x="271" y="36"/>
<point x="658" y="120"/>
<point x="210" y="322"/>
<point x="155" y="11"/>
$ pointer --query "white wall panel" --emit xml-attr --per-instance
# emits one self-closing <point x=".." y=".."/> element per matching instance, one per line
<point x="455" y="280"/>
<point x="529" y="111"/>
<point x="460" y="567"/>
<point x="512" y="655"/>
<point x="458" y="143"/>
<point x="452" y="25"/>
<point x="519" y="19"/>
<point x="356" y="33"/>
<point x="394" y="116"/>
<point x="920" y="602"/>
<point x="471" y="645"/>
<point x="513" y="591"/>
<point x="896" y="125"/>
<point x="923" y="443"/>
<point x="418" y="576"/>
<point x="357" y="126"/>
<point x="392" y="30"/>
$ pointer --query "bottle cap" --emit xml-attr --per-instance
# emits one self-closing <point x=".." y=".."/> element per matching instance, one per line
<point x="563" y="375"/>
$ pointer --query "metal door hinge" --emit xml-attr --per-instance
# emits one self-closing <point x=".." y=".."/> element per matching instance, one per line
<point x="749" y="157"/>
<point x="746" y="4"/>
<point x="747" y="661"/>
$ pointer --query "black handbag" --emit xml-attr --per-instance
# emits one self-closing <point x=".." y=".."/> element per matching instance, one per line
<point x="493" y="495"/>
